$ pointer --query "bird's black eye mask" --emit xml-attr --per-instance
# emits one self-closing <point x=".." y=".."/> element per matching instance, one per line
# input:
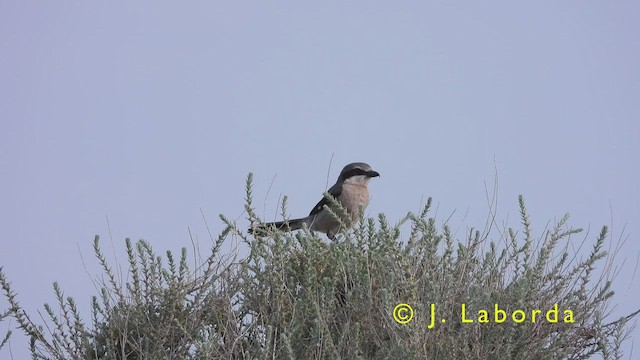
<point x="355" y="172"/>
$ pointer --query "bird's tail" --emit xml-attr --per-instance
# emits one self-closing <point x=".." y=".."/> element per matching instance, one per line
<point x="287" y="225"/>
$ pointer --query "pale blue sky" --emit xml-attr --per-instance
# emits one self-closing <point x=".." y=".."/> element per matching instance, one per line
<point x="148" y="113"/>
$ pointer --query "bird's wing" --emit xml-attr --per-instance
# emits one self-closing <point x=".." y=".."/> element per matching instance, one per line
<point x="334" y="191"/>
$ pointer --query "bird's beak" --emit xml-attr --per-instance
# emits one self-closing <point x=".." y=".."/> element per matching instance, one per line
<point x="373" y="174"/>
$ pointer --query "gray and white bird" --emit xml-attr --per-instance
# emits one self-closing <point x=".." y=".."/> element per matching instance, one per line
<point x="350" y="190"/>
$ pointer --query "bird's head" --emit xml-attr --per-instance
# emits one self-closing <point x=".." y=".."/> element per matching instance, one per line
<point x="357" y="173"/>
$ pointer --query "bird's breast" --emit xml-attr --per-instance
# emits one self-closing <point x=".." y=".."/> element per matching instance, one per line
<point x="354" y="197"/>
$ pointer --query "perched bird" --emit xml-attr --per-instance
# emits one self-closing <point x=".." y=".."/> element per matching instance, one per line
<point x="350" y="190"/>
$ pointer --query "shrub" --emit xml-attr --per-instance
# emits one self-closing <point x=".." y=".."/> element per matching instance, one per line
<point x="297" y="295"/>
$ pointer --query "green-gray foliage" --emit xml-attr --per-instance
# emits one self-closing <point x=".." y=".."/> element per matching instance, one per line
<point x="297" y="296"/>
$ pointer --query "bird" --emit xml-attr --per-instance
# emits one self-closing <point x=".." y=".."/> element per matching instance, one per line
<point x="350" y="190"/>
